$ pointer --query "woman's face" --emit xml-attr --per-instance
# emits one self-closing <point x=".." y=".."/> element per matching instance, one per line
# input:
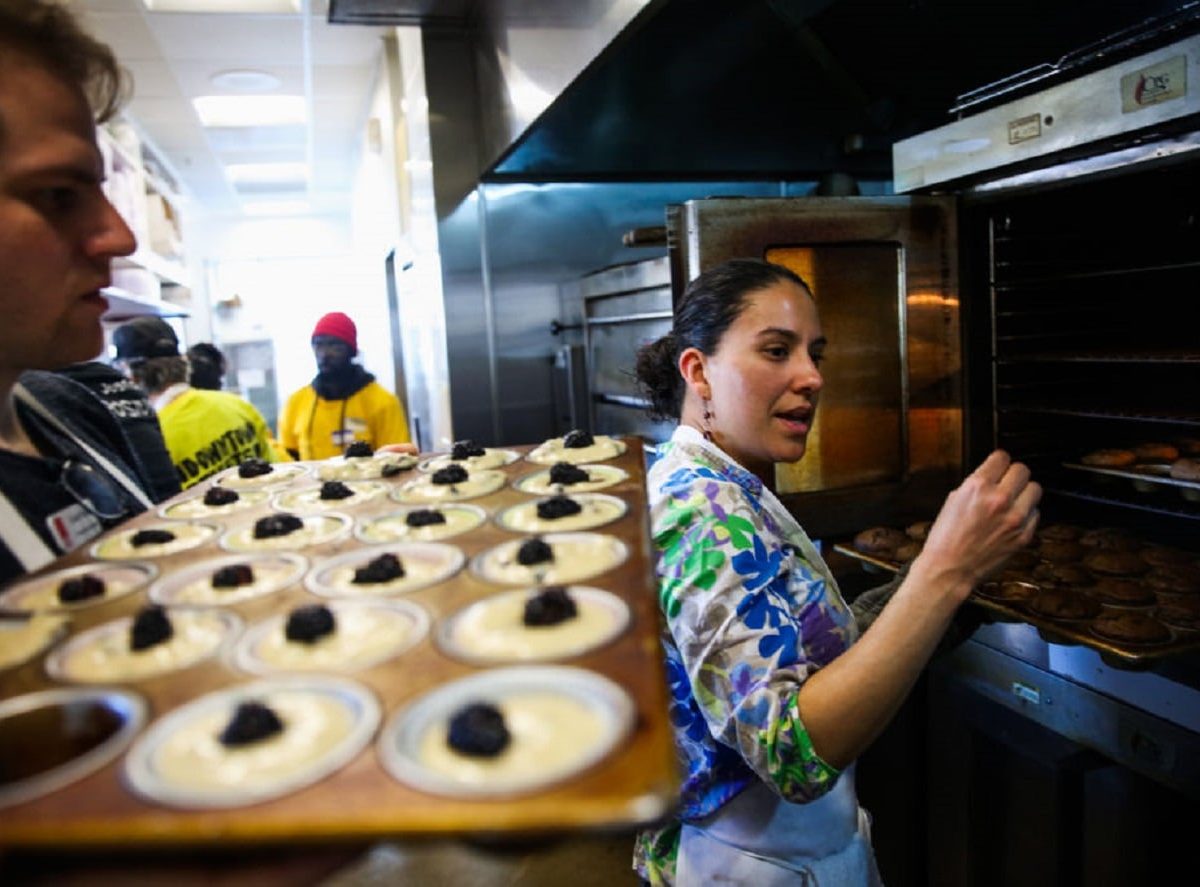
<point x="763" y="379"/>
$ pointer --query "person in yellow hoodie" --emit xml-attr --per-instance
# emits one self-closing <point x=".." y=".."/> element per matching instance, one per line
<point x="205" y="431"/>
<point x="343" y="404"/>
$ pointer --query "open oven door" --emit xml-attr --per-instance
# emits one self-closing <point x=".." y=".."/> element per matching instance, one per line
<point x="887" y="444"/>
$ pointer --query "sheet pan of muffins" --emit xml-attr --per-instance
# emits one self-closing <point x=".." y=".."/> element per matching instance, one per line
<point x="1132" y="600"/>
<point x="378" y="644"/>
<point x="1150" y="467"/>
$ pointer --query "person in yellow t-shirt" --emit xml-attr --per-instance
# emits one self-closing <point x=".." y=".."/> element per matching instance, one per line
<point x="343" y="404"/>
<point x="205" y="431"/>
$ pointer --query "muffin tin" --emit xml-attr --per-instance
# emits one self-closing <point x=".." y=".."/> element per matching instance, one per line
<point x="1012" y="596"/>
<point x="630" y="780"/>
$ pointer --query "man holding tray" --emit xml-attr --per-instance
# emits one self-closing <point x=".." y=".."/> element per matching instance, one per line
<point x="67" y="471"/>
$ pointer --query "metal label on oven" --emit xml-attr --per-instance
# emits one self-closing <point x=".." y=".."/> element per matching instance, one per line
<point x="1024" y="128"/>
<point x="1154" y="85"/>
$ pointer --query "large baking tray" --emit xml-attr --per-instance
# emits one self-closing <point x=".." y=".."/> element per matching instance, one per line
<point x="636" y="784"/>
<point x="1057" y="631"/>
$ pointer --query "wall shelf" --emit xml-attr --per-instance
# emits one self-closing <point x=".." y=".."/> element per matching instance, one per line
<point x="124" y="305"/>
<point x="150" y="204"/>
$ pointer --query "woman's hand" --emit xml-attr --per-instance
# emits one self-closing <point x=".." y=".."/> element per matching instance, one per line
<point x="992" y="513"/>
<point x="988" y="517"/>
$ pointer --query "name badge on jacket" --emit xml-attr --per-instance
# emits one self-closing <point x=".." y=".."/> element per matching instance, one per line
<point x="73" y="526"/>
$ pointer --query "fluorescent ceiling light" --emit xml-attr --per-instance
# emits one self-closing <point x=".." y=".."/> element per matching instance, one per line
<point x="277" y="208"/>
<point x="260" y="6"/>
<point x="267" y="173"/>
<point x="250" y="110"/>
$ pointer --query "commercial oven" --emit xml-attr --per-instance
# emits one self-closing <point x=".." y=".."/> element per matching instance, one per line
<point x="624" y="307"/>
<point x="1031" y="287"/>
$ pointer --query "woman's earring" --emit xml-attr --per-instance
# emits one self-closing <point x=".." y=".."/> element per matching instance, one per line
<point x="707" y="420"/>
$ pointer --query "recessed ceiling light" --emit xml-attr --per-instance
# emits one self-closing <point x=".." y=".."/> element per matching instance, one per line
<point x="260" y="6"/>
<point x="250" y="110"/>
<point x="245" y="80"/>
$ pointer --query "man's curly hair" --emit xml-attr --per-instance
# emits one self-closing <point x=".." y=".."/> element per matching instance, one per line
<point x="47" y="33"/>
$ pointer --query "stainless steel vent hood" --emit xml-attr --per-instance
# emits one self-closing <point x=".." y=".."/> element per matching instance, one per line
<point x="768" y="88"/>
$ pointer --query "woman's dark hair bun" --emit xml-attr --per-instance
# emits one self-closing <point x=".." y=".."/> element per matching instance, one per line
<point x="658" y="377"/>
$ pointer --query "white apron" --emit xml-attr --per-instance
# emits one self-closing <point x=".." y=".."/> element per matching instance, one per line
<point x="762" y="840"/>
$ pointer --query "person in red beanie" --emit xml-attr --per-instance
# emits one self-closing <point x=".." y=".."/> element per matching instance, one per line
<point x="343" y="404"/>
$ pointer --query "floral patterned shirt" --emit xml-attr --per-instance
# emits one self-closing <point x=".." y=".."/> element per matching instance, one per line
<point x="751" y="612"/>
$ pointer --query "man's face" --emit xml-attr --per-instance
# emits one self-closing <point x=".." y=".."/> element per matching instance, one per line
<point x="332" y="354"/>
<point x="58" y="232"/>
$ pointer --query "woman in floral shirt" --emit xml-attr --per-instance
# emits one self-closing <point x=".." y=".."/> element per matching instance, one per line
<point x="774" y="693"/>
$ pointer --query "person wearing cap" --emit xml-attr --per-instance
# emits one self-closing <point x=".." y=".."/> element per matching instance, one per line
<point x="343" y="404"/>
<point x="206" y="431"/>
<point x="206" y="364"/>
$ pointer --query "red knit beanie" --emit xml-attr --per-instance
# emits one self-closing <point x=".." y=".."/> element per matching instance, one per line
<point x="338" y="325"/>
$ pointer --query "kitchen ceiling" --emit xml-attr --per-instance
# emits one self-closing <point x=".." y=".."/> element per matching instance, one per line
<point x="174" y="58"/>
<point x="690" y="89"/>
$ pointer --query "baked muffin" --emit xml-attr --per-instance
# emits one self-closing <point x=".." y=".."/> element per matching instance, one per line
<point x="880" y="541"/>
<point x="1022" y="559"/>
<point x="1130" y="627"/>
<point x="1059" y="532"/>
<point x="1181" y="579"/>
<point x="1060" y="552"/>
<point x="1061" y="603"/>
<point x="1122" y="592"/>
<point x="918" y="531"/>
<point x="1109" y="458"/>
<point x="1063" y="575"/>
<point x="1155" y="452"/>
<point x="1163" y="556"/>
<point x="1186" y="469"/>
<point x="1180" y="612"/>
<point x="1109" y="539"/>
<point x="1115" y="563"/>
<point x="1010" y="591"/>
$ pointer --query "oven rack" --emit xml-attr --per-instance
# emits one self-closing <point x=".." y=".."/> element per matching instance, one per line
<point x="1085" y="412"/>
<point x="1128" y="501"/>
<point x="1008" y="282"/>
<point x="1165" y="356"/>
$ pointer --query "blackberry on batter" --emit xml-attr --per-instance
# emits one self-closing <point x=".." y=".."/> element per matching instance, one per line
<point x="276" y="525"/>
<point x="308" y="624"/>
<point x="478" y="730"/>
<point x="384" y="568"/>
<point x="552" y="606"/>
<point x="150" y="627"/>
<point x="251" y="722"/>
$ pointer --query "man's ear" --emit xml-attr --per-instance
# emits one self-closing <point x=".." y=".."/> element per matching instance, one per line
<point x="693" y="368"/>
